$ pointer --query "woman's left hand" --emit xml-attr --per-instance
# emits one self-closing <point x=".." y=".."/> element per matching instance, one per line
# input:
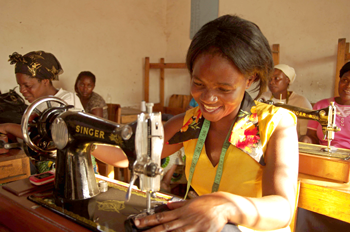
<point x="206" y="213"/>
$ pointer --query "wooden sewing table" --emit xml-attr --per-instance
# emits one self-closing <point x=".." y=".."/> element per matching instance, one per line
<point x="330" y="198"/>
<point x="320" y="195"/>
<point x="18" y="213"/>
<point x="14" y="165"/>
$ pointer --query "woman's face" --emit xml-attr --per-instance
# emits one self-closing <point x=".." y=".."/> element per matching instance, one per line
<point x="85" y="86"/>
<point x="217" y="86"/>
<point x="31" y="88"/>
<point x="344" y="88"/>
<point x="278" y="83"/>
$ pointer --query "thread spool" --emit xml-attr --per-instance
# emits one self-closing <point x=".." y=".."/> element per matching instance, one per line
<point x="143" y="106"/>
<point x="103" y="186"/>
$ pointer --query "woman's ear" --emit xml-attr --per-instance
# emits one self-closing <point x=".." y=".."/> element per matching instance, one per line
<point x="250" y="81"/>
<point x="46" y="82"/>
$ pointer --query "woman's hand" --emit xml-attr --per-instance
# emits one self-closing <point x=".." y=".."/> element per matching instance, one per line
<point x="310" y="137"/>
<point x="3" y="128"/>
<point x="11" y="128"/>
<point x="206" y="213"/>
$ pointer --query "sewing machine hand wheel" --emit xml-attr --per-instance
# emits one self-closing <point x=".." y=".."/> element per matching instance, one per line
<point x="36" y="124"/>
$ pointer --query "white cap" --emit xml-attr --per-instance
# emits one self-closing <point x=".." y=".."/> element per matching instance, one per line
<point x="288" y="71"/>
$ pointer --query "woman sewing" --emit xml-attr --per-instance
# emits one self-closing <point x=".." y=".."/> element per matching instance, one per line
<point x="244" y="153"/>
<point x="35" y="72"/>
<point x="342" y="103"/>
<point x="307" y="220"/>
<point x="283" y="76"/>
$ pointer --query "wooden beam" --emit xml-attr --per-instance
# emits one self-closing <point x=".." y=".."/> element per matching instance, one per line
<point x="146" y="84"/>
<point x="167" y="65"/>
<point x="161" y="83"/>
<point x="276" y="53"/>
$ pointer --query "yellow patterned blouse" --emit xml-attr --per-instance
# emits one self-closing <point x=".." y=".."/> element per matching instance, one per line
<point x="244" y="160"/>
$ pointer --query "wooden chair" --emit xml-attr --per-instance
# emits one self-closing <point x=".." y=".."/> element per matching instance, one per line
<point x="275" y="49"/>
<point x="343" y="56"/>
<point x="114" y="114"/>
<point x="177" y="104"/>
<point x="161" y="66"/>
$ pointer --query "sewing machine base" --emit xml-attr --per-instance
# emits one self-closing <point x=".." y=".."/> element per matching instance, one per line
<point x="335" y="165"/>
<point x="104" y="212"/>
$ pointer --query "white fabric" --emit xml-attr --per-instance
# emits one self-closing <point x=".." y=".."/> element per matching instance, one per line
<point x="69" y="97"/>
<point x="294" y="100"/>
<point x="288" y="71"/>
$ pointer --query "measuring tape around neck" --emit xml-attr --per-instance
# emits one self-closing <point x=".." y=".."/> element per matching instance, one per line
<point x="199" y="147"/>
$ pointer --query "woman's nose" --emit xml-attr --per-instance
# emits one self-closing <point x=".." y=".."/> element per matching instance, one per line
<point x="209" y="97"/>
<point x="22" y="89"/>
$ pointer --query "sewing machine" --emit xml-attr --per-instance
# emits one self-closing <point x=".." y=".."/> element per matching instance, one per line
<point x="58" y="132"/>
<point x="318" y="160"/>
<point x="326" y="117"/>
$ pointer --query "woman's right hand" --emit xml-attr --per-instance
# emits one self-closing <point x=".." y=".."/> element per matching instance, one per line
<point x="310" y="137"/>
<point x="11" y="128"/>
<point x="3" y="128"/>
<point x="305" y="139"/>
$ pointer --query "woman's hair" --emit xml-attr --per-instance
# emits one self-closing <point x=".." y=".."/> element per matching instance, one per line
<point x="84" y="74"/>
<point x="238" y="40"/>
<point x="37" y="64"/>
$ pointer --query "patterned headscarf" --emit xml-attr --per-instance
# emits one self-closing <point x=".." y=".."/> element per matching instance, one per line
<point x="39" y="64"/>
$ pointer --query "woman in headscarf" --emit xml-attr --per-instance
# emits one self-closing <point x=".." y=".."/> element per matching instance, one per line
<point x="283" y="76"/>
<point x="34" y="74"/>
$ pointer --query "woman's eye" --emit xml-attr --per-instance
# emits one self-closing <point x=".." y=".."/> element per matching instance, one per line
<point x="197" y="84"/>
<point x="224" y="90"/>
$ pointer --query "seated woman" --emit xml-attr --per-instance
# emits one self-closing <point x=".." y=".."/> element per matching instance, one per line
<point x="34" y="74"/>
<point x="342" y="103"/>
<point x="307" y="220"/>
<point x="241" y="155"/>
<point x="93" y="103"/>
<point x="283" y="76"/>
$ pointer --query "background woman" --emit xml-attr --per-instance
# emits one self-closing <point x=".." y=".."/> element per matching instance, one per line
<point x="283" y="76"/>
<point x="34" y="74"/>
<point x="93" y="103"/>
<point x="307" y="220"/>
<point x="244" y="153"/>
<point x="342" y="103"/>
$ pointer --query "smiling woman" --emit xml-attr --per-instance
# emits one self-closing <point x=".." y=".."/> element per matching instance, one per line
<point x="35" y="72"/>
<point x="241" y="155"/>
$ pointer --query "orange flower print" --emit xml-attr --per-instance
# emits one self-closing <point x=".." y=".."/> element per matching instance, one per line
<point x="192" y="122"/>
<point x="253" y="117"/>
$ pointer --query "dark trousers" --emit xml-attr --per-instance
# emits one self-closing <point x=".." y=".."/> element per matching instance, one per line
<point x="308" y="221"/>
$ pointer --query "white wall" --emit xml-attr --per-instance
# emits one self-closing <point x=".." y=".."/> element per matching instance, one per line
<point x="112" y="37"/>
<point x="308" y="33"/>
<point x="109" y="38"/>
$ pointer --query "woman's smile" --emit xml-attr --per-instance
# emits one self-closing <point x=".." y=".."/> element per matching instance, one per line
<point x="218" y="87"/>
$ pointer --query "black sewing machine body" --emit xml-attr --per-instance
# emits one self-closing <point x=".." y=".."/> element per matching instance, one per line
<point x="67" y="136"/>
<point x="71" y="136"/>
